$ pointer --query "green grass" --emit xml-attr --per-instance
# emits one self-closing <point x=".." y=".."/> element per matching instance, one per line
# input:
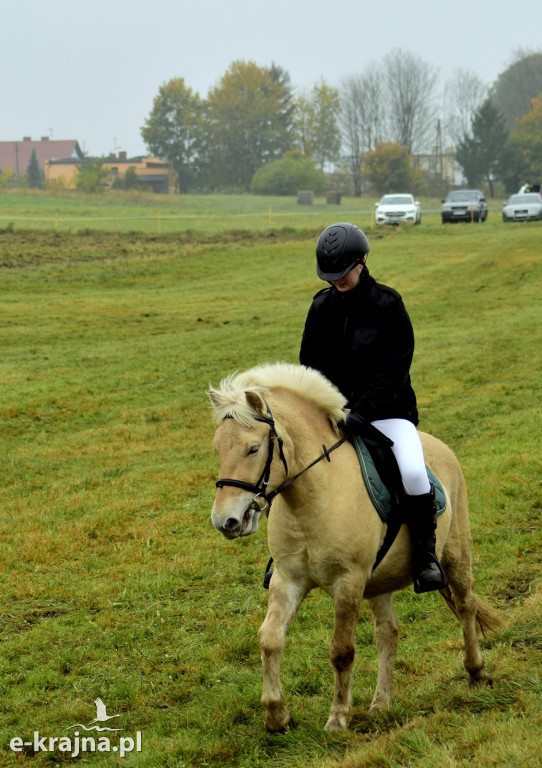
<point x="113" y="581"/>
<point x="205" y="214"/>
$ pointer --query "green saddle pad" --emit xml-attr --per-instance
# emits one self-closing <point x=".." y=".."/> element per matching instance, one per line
<point x="379" y="493"/>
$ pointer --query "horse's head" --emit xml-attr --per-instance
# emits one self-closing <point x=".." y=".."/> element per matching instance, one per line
<point x="245" y="443"/>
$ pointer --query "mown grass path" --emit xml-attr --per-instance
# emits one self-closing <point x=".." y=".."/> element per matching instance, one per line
<point x="114" y="583"/>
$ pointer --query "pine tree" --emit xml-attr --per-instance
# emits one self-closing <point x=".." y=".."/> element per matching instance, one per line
<point x="34" y="174"/>
<point x="483" y="154"/>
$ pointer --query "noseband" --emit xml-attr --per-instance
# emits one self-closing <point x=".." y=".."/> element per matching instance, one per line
<point x="260" y="488"/>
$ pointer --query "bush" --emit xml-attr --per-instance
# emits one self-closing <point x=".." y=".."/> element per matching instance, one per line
<point x="388" y="168"/>
<point x="288" y="175"/>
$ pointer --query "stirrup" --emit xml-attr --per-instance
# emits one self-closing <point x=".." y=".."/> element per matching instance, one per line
<point x="268" y="574"/>
<point x="435" y="578"/>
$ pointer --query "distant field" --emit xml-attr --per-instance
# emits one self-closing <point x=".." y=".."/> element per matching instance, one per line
<point x="113" y="582"/>
<point x="125" y="212"/>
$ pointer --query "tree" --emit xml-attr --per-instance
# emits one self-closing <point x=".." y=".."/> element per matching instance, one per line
<point x="174" y="132"/>
<point x="389" y="168"/>
<point x="516" y="86"/>
<point x="92" y="175"/>
<point x="250" y="122"/>
<point x="482" y="155"/>
<point x="324" y="136"/>
<point x="130" y="180"/>
<point x="362" y="117"/>
<point x="7" y="176"/>
<point x="287" y="176"/>
<point x="352" y="133"/>
<point x="301" y="122"/>
<point x="411" y="85"/>
<point x="525" y="149"/>
<point x="34" y="174"/>
<point x="463" y="96"/>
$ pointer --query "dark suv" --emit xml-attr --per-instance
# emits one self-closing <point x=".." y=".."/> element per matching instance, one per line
<point x="464" y="205"/>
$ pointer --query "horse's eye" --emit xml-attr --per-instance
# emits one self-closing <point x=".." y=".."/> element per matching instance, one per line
<point x="253" y="449"/>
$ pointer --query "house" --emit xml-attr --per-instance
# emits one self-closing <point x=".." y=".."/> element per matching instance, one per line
<point x="440" y="163"/>
<point x="152" y="174"/>
<point x="16" y="154"/>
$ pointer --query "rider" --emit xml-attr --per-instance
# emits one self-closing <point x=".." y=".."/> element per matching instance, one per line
<point x="359" y="335"/>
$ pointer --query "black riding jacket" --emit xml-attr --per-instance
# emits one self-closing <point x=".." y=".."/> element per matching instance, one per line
<point x="362" y="341"/>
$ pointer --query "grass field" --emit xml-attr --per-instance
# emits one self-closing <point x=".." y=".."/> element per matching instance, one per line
<point x="114" y="583"/>
<point x="206" y="214"/>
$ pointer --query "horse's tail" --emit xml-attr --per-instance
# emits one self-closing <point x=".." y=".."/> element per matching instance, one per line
<point x="487" y="618"/>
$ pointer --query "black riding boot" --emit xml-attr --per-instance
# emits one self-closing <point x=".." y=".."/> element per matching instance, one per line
<point x="421" y="516"/>
<point x="268" y="574"/>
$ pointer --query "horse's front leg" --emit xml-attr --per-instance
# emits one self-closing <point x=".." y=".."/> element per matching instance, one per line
<point x="284" y="601"/>
<point x="347" y="600"/>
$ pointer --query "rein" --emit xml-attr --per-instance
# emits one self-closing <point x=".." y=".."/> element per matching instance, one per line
<point x="260" y="488"/>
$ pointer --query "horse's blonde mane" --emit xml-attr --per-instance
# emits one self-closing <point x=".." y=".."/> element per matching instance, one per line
<point x="230" y="400"/>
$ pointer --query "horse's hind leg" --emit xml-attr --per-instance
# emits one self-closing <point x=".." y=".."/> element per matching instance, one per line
<point x="464" y="604"/>
<point x="284" y="601"/>
<point x="347" y="600"/>
<point x="386" y="635"/>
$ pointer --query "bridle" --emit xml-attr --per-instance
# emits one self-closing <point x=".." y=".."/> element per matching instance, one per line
<point x="260" y="487"/>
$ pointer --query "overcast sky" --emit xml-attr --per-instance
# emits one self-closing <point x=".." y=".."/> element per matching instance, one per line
<point x="90" y="71"/>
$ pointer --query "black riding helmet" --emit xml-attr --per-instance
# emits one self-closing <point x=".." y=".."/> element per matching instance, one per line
<point x="338" y="250"/>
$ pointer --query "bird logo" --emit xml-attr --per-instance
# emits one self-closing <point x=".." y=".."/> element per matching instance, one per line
<point x="101" y="717"/>
<point x="101" y="712"/>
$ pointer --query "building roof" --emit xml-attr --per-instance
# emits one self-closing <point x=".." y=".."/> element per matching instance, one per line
<point x="17" y="154"/>
<point x="122" y="159"/>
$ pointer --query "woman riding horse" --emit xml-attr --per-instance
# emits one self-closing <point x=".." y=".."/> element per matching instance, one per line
<point x="359" y="335"/>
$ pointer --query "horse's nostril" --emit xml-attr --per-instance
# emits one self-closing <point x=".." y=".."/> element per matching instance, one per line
<point x="231" y="524"/>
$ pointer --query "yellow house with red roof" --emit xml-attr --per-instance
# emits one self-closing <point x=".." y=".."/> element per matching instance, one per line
<point x="60" y="160"/>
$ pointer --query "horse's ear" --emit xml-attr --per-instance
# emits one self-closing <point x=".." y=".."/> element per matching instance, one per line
<point x="255" y="401"/>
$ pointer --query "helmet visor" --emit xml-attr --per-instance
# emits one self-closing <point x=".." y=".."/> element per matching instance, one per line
<point x="331" y="276"/>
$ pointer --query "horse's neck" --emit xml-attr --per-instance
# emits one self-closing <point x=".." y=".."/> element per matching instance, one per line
<point x="307" y="429"/>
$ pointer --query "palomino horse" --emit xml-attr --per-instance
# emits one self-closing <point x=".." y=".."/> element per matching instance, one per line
<point x="323" y="530"/>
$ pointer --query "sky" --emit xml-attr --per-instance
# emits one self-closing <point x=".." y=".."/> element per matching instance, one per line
<point x="90" y="71"/>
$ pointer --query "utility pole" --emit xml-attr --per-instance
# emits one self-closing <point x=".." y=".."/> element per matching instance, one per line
<point x="438" y="150"/>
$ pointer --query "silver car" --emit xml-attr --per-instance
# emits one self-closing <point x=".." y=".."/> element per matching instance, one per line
<point x="523" y="207"/>
<point x="393" y="209"/>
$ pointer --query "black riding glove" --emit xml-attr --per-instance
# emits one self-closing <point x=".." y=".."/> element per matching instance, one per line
<point x="354" y="424"/>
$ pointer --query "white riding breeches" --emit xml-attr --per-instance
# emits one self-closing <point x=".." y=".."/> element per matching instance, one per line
<point x="408" y="452"/>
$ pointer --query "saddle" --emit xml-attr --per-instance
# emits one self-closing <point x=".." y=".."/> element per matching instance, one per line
<point x="385" y="488"/>
<point x="383" y="481"/>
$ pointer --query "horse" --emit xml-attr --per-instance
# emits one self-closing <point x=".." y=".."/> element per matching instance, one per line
<point x="274" y="422"/>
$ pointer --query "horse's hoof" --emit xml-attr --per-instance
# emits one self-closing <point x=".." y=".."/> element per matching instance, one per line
<point x="278" y="720"/>
<point x="379" y="702"/>
<point x="481" y="679"/>
<point x="336" y="724"/>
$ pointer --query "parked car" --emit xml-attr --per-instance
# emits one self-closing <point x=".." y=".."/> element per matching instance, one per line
<point x="464" y="205"/>
<point x="393" y="209"/>
<point x="523" y="207"/>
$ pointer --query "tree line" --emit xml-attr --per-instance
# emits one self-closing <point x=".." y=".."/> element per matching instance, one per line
<point x="253" y="132"/>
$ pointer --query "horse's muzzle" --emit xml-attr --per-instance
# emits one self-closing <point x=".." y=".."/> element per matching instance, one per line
<point x="232" y="526"/>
